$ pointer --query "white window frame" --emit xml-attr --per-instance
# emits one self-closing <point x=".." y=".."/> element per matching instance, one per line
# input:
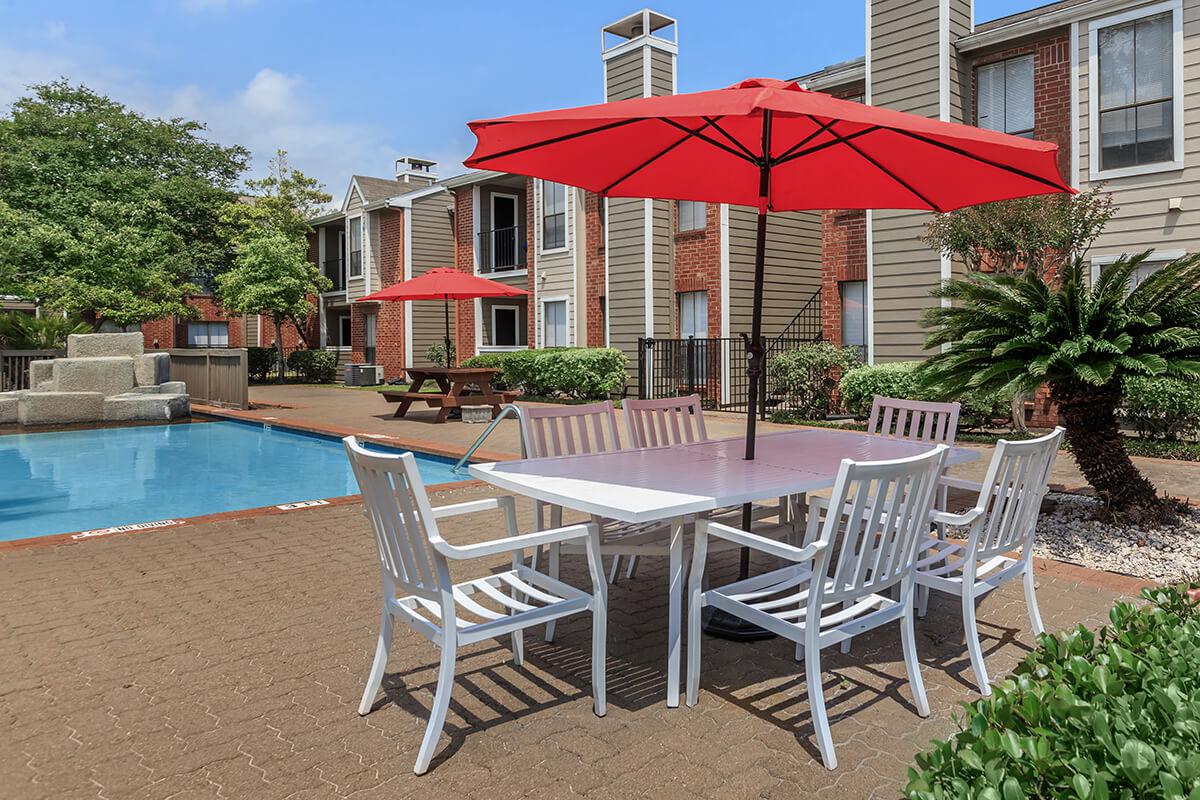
<point x="1155" y="257"/>
<point x="517" y="329"/>
<point x="680" y="303"/>
<point x="1095" y="173"/>
<point x="541" y="327"/>
<point x="539" y="218"/>
<point x="362" y="249"/>
<point x="679" y="216"/>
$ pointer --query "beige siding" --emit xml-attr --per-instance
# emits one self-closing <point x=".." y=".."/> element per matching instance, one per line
<point x="355" y="287"/>
<point x="792" y="270"/>
<point x="623" y="76"/>
<point x="1142" y="220"/>
<point x="662" y="73"/>
<point x="663" y="279"/>
<point x="485" y="317"/>
<point x="960" y="80"/>
<point x="626" y="274"/>
<point x="432" y="246"/>
<point x="904" y="55"/>
<point x="555" y="269"/>
<point x="251" y="329"/>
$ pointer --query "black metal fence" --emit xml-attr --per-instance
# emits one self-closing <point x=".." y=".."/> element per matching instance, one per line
<point x="14" y="366"/>
<point x="502" y="250"/>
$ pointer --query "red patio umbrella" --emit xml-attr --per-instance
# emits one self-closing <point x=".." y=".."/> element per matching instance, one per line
<point x="445" y="284"/>
<point x="771" y="145"/>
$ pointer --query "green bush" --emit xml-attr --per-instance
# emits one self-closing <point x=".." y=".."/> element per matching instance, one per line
<point x="899" y="379"/>
<point x="577" y="373"/>
<point x="1090" y="716"/>
<point x="1161" y="408"/>
<point x="806" y="377"/>
<point x="260" y="361"/>
<point x="314" y="366"/>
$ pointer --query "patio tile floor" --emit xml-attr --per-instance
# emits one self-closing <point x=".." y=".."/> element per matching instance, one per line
<point x="226" y="659"/>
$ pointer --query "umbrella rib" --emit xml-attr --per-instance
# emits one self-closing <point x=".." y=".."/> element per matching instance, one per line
<point x="708" y="139"/>
<point x="842" y="138"/>
<point x="980" y="159"/>
<point x="652" y="159"/>
<point x="736" y="143"/>
<point x="565" y="137"/>
<point x="891" y="174"/>
<point x="824" y="126"/>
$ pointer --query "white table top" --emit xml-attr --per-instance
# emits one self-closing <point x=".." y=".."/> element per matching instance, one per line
<point x="663" y="482"/>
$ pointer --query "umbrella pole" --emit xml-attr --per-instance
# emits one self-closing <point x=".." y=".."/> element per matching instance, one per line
<point x="720" y="624"/>
<point x="446" y="309"/>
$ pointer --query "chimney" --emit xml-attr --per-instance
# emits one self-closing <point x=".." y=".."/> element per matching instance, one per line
<point x="639" y="55"/>
<point x="411" y="169"/>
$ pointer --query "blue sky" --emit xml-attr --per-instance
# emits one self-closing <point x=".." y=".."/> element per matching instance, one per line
<point x="348" y="87"/>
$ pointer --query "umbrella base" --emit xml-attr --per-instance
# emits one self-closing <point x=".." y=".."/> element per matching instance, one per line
<point x="723" y="625"/>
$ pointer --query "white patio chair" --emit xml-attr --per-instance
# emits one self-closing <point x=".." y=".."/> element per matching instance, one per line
<point x="412" y="558"/>
<point x="674" y="421"/>
<point x="838" y="585"/>
<point x="1004" y="520"/>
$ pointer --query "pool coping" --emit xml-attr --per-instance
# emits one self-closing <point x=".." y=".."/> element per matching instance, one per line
<point x="235" y="415"/>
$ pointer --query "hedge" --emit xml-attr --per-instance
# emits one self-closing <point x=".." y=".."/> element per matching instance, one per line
<point x="806" y="376"/>
<point x="314" y="366"/>
<point x="578" y="373"/>
<point x="260" y="361"/>
<point x="1090" y="716"/>
<point x="898" y="379"/>
<point x="1162" y="408"/>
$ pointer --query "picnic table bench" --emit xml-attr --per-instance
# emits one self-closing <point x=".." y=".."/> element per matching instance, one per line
<point x="457" y="387"/>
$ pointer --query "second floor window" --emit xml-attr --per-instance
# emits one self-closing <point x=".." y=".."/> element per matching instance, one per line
<point x="691" y="216"/>
<point x="1136" y="97"/>
<point x="1004" y="96"/>
<point x="355" y="253"/>
<point x="554" y="215"/>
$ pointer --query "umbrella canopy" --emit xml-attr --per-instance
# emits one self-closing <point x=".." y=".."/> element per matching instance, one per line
<point x="821" y="152"/>
<point x="445" y="284"/>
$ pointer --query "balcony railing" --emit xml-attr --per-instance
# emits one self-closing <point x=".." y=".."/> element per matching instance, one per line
<point x="502" y="250"/>
<point x="336" y="272"/>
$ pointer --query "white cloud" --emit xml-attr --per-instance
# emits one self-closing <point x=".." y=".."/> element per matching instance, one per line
<point x="270" y="93"/>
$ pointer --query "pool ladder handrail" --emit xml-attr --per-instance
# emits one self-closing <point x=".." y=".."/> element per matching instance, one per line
<point x="509" y="409"/>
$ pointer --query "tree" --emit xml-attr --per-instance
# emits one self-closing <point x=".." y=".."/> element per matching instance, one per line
<point x="1013" y="333"/>
<point x="20" y="331"/>
<point x="107" y="213"/>
<point x="272" y="275"/>
<point x="283" y="202"/>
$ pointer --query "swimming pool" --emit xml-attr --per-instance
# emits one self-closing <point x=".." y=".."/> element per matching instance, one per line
<point x="68" y="481"/>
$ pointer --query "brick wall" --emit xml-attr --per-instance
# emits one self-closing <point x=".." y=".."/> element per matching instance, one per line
<point x="593" y="210"/>
<point x="168" y="332"/>
<point x="389" y="321"/>
<point x="843" y="258"/>
<point x="464" y="261"/>
<point x="698" y="263"/>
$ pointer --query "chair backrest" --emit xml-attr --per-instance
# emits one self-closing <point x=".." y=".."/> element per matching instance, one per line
<point x="395" y="501"/>
<point x="917" y="420"/>
<point x="1011" y="495"/>
<point x="569" y="430"/>
<point x="669" y="421"/>
<point x="878" y="513"/>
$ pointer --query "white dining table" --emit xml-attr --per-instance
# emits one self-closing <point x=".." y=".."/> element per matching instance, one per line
<point x="676" y="483"/>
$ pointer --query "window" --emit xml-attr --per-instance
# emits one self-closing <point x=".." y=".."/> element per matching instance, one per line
<point x="208" y="334"/>
<point x="1135" y="117"/>
<point x="1146" y="268"/>
<point x="554" y="322"/>
<point x="693" y="314"/>
<point x="691" y="215"/>
<point x="554" y="215"/>
<point x="1004" y="96"/>
<point x="854" y="315"/>
<point x="369" y="338"/>
<point x="356" y="247"/>
<point x="506" y="326"/>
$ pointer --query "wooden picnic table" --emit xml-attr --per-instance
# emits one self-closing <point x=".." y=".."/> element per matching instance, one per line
<point x="458" y="386"/>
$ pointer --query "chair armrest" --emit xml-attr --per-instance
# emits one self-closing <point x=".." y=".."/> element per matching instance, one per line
<point x="512" y="544"/>
<point x="759" y="543"/>
<point x="474" y="507"/>
<point x="946" y="518"/>
<point x="960" y="483"/>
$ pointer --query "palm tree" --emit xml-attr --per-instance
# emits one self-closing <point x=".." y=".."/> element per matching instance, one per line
<point x="48" y="331"/>
<point x="1014" y="333"/>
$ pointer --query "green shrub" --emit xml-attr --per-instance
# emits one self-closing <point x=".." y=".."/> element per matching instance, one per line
<point x="899" y="379"/>
<point x="314" y="366"/>
<point x="436" y="353"/>
<point x="260" y="361"/>
<point x="21" y="331"/>
<point x="1161" y="408"/>
<point x="807" y="376"/>
<point x="577" y="373"/>
<point x="1090" y="716"/>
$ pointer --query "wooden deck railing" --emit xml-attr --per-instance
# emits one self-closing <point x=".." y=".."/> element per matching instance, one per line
<point x="14" y="367"/>
<point x="215" y="376"/>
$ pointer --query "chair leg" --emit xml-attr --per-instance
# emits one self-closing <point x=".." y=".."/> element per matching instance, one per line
<point x="631" y="570"/>
<point x="599" y="653"/>
<point x="922" y="601"/>
<point x="552" y="571"/>
<point x="971" y="631"/>
<point x="1035" y="616"/>
<point x="382" y="647"/>
<point x="816" y="701"/>
<point x="845" y="646"/>
<point x="909" y="644"/>
<point x="799" y="651"/>
<point x="693" y="644"/>
<point x="943" y="504"/>
<point x="441" y="703"/>
<point x="614" y="570"/>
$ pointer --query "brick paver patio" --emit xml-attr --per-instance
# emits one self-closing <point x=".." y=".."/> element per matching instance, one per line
<point x="226" y="660"/>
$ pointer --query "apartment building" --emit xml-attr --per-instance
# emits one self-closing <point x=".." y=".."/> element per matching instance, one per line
<point x="1106" y="80"/>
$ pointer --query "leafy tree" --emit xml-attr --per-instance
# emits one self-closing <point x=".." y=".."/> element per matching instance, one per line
<point x="20" y="331"/>
<point x="1014" y="333"/>
<point x="107" y="213"/>
<point x="272" y="275"/>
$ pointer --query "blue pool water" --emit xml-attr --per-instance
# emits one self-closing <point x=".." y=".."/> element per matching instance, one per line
<point x="67" y="481"/>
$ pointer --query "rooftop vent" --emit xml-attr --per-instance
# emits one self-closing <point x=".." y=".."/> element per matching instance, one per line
<point x="410" y="166"/>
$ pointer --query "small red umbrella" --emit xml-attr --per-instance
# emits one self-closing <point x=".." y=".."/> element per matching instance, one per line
<point x="445" y="284"/>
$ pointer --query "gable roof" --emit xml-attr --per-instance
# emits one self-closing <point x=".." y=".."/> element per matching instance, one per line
<point x="374" y="190"/>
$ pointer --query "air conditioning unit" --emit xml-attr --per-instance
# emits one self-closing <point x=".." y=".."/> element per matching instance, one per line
<point x="363" y="375"/>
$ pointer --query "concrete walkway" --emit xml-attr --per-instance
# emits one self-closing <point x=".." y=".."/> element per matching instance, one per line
<point x="361" y="411"/>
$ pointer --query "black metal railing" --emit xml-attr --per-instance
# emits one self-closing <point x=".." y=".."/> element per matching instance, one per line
<point x="502" y="250"/>
<point x="805" y="326"/>
<point x="335" y="270"/>
<point x="14" y="367"/>
<point x="355" y="264"/>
